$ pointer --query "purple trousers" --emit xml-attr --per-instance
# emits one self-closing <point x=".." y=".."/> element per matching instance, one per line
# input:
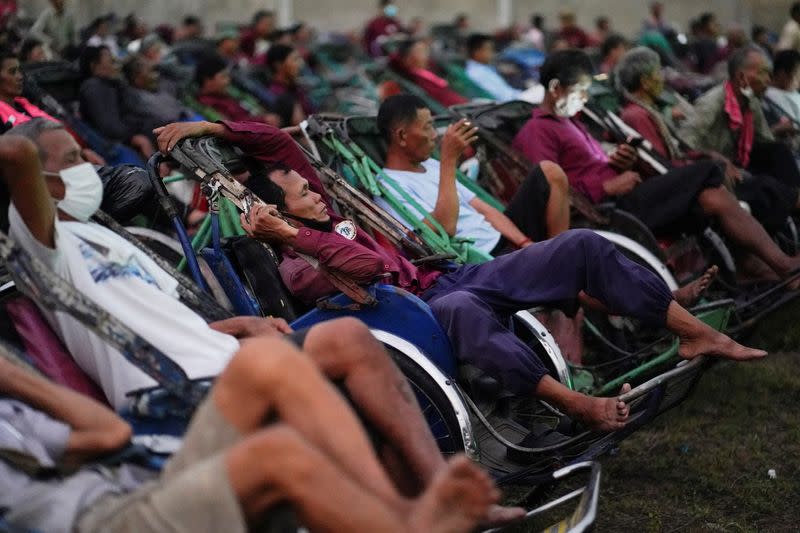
<point x="474" y="303"/>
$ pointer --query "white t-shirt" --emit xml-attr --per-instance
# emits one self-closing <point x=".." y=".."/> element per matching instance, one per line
<point x="789" y="101"/>
<point x="424" y="188"/>
<point x="118" y="277"/>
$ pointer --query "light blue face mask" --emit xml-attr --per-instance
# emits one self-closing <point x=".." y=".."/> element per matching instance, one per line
<point x="390" y="10"/>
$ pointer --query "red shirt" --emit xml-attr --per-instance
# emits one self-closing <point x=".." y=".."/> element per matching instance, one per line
<point x="436" y="87"/>
<point x="378" y="27"/>
<point x="576" y="37"/>
<point x="362" y="259"/>
<point x="227" y="106"/>
<point x="564" y="141"/>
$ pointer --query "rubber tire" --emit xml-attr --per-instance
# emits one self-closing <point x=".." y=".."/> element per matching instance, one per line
<point x="428" y="394"/>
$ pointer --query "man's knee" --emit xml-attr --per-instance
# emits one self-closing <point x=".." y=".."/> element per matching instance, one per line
<point x="264" y="364"/>
<point x="278" y="451"/>
<point x="454" y="304"/>
<point x="554" y="175"/>
<point x="347" y="338"/>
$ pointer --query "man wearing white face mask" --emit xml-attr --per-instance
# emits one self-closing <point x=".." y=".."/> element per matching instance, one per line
<point x="130" y="286"/>
<point x="669" y="203"/>
<point x="106" y="268"/>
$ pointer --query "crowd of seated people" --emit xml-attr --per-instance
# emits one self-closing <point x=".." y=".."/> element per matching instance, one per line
<point x="313" y="398"/>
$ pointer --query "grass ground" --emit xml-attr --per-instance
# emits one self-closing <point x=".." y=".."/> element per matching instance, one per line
<point x="704" y="465"/>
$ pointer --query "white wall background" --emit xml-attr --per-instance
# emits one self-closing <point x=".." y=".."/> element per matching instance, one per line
<point x="626" y="15"/>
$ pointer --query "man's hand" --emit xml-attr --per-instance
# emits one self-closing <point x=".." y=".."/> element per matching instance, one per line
<point x="93" y="157"/>
<point x="266" y="224"/>
<point x="622" y="184"/>
<point x="784" y="128"/>
<point x="624" y="157"/>
<point x="733" y="174"/>
<point x="242" y="327"/>
<point x="171" y="134"/>
<point x="457" y="138"/>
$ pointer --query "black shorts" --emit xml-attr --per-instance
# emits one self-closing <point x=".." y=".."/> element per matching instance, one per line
<point x="298" y="338"/>
<point x="527" y="210"/>
<point x="667" y="204"/>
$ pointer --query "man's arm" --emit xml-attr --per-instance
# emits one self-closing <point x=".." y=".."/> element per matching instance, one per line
<point x="331" y="249"/>
<point x="262" y="141"/>
<point x="500" y="222"/>
<point x="457" y="138"/>
<point x="95" y="429"/>
<point x="22" y="172"/>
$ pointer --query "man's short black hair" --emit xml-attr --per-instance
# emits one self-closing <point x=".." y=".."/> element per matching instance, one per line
<point x="259" y="182"/>
<point x="566" y="66"/>
<point x="611" y="42"/>
<point x="404" y="48"/>
<point x="401" y="108"/>
<point x="262" y="13"/>
<point x="795" y="10"/>
<point x="7" y="53"/>
<point x="191" y="20"/>
<point x="208" y="67"/>
<point x="786" y="61"/>
<point x="476" y="41"/>
<point x="277" y="54"/>
<point x="89" y="56"/>
<point x="705" y="19"/>
<point x="27" y="47"/>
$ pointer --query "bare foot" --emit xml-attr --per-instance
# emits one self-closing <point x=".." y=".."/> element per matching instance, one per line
<point x="500" y="516"/>
<point x="698" y="338"/>
<point x="688" y="295"/>
<point x="713" y="343"/>
<point x="456" y="501"/>
<point x="602" y="414"/>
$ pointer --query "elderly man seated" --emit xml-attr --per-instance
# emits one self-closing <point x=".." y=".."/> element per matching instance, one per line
<point x="272" y="430"/>
<point x="666" y="203"/>
<point x="129" y="285"/>
<point x="640" y="82"/>
<point x="472" y="302"/>
<point x="729" y="120"/>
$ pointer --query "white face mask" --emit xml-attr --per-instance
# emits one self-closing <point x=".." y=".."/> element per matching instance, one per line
<point x="83" y="191"/>
<point x="747" y="92"/>
<point x="573" y="103"/>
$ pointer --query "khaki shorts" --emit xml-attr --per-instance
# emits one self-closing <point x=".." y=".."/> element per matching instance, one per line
<point x="192" y="494"/>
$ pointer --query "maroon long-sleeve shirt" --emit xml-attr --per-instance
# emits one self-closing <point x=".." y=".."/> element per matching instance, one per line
<point x="362" y="258"/>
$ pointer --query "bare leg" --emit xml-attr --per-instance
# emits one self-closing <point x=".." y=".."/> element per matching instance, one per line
<point x="698" y="338"/>
<point x="600" y="414"/>
<point x="691" y="292"/>
<point x="740" y="226"/>
<point x="557" y="213"/>
<point x="270" y="377"/>
<point x="327" y="499"/>
<point x="345" y="350"/>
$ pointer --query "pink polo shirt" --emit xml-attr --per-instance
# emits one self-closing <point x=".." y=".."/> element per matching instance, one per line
<point x="546" y="137"/>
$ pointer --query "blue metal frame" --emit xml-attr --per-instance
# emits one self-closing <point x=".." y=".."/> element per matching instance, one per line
<point x="398" y="312"/>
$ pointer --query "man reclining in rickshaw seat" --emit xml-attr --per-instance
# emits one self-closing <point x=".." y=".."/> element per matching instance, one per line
<point x="473" y="302"/>
<point x="232" y="467"/>
<point x="127" y="284"/>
